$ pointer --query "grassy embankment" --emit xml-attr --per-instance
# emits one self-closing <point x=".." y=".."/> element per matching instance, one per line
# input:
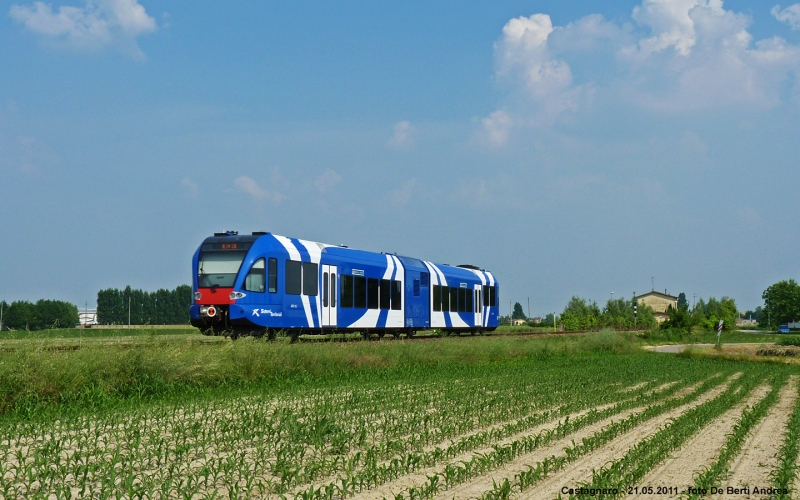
<point x="98" y="368"/>
<point x="35" y="377"/>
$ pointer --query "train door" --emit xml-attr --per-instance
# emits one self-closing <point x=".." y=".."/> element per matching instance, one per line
<point x="329" y="284"/>
<point x="478" y="301"/>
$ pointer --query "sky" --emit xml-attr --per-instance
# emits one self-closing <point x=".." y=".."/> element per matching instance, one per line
<point x="571" y="148"/>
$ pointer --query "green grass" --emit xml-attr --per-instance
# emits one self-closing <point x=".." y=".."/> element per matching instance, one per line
<point x="658" y="337"/>
<point x="161" y="416"/>
<point x="75" y="333"/>
<point x="38" y="373"/>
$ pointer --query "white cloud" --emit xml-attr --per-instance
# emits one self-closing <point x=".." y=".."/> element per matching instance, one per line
<point x="250" y="187"/>
<point x="98" y="24"/>
<point x="327" y="181"/>
<point x="677" y="56"/>
<point x="523" y="55"/>
<point x="496" y="128"/>
<point x="715" y="62"/>
<point x="790" y="15"/>
<point x="403" y="135"/>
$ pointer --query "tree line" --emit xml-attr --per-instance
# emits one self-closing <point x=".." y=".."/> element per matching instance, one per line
<point x="781" y="305"/>
<point x="704" y="314"/>
<point x="24" y="315"/>
<point x="581" y="314"/>
<point x="162" y="307"/>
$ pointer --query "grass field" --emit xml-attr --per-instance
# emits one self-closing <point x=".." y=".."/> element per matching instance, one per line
<point x="169" y="416"/>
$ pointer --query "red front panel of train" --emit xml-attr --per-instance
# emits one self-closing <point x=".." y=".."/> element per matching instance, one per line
<point x="214" y="296"/>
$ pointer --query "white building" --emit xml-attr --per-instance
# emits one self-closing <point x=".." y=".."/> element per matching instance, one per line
<point x="87" y="317"/>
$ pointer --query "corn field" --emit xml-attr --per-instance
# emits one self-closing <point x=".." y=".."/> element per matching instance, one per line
<point x="584" y="426"/>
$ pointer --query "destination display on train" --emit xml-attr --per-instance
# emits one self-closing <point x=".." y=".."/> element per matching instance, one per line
<point x="240" y="245"/>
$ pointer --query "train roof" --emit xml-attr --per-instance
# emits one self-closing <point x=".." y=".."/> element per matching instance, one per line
<point x="378" y="258"/>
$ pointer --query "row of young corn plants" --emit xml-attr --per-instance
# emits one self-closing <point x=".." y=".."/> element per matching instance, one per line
<point x="373" y="473"/>
<point x="454" y="474"/>
<point x="783" y="477"/>
<point x="717" y="471"/>
<point x="346" y="436"/>
<point x="554" y="463"/>
<point x="537" y="473"/>
<point x="254" y="441"/>
<point x="647" y="454"/>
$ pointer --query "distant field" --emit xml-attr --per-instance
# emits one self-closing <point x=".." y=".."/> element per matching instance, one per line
<point x="483" y="417"/>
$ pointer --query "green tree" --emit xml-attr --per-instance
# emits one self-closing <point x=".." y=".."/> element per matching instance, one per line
<point x="580" y="315"/>
<point x="518" y="312"/>
<point x="20" y="315"/>
<point x="680" y="317"/>
<point x="708" y="314"/>
<point x="23" y="315"/>
<point x="162" y="307"/>
<point x="618" y="314"/>
<point x="782" y="302"/>
<point x="682" y="302"/>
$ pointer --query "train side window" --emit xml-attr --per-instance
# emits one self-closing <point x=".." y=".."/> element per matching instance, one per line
<point x="386" y="294"/>
<point x="254" y="281"/>
<point x="445" y="298"/>
<point x="324" y="289"/>
<point x="272" y="274"/>
<point x="453" y="299"/>
<point x="485" y="296"/>
<point x="492" y="296"/>
<point x="416" y="288"/>
<point x="333" y="289"/>
<point x="310" y="278"/>
<point x="437" y="298"/>
<point x="360" y="295"/>
<point x="425" y="279"/>
<point x="347" y="290"/>
<point x="468" y="295"/>
<point x="397" y="295"/>
<point x="462" y="300"/>
<point x="293" y="277"/>
<point x="372" y="293"/>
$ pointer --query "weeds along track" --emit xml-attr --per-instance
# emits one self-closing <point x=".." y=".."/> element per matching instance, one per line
<point x="488" y="431"/>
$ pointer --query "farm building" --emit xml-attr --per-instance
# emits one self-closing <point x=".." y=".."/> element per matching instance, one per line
<point x="87" y="317"/>
<point x="660" y="302"/>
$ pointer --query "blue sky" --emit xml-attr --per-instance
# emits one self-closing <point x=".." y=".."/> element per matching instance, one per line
<point x="573" y="148"/>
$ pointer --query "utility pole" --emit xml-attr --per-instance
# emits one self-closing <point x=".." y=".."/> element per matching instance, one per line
<point x="129" y="313"/>
<point x="529" y="308"/>
<point x="554" y="321"/>
<point x="1" y="314"/>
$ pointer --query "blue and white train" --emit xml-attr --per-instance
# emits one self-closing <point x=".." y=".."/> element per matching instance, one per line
<point x="264" y="283"/>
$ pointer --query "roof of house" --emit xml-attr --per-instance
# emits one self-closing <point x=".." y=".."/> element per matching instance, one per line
<point x="657" y="294"/>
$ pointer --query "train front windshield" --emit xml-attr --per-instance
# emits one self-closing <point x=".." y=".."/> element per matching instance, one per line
<point x="218" y="268"/>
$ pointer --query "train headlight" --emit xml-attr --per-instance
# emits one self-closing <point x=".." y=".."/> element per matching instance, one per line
<point x="198" y="295"/>
<point x="237" y="295"/>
